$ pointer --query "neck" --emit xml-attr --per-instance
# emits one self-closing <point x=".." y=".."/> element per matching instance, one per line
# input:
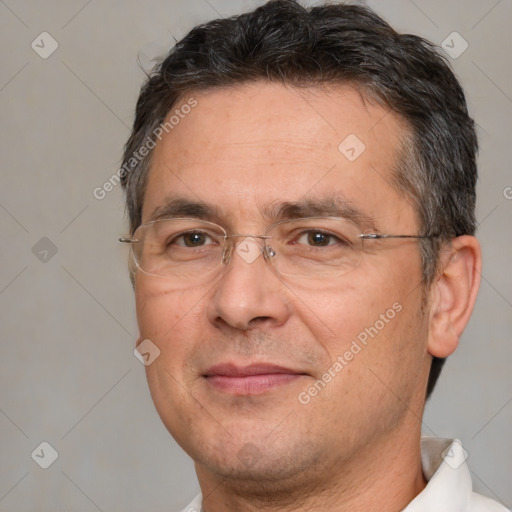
<point x="384" y="476"/>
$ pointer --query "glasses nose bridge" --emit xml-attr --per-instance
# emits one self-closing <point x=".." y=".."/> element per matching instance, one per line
<point x="230" y="245"/>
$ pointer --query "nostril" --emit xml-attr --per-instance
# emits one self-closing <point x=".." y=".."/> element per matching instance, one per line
<point x="258" y="320"/>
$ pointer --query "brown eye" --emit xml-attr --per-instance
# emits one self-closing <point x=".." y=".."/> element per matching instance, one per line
<point x="319" y="239"/>
<point x="192" y="239"/>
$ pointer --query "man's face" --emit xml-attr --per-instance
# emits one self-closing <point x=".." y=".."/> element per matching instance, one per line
<point x="244" y="151"/>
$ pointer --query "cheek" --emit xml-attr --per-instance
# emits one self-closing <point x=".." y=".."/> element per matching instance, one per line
<point x="172" y="321"/>
<point x="373" y="314"/>
<point x="335" y="316"/>
<point x="159" y="308"/>
<point x="392" y="360"/>
<point x="169" y="318"/>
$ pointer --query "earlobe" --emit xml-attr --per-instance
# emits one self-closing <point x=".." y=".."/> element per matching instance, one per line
<point x="453" y="294"/>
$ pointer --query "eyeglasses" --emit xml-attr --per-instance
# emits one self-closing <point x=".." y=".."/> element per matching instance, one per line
<point x="191" y="250"/>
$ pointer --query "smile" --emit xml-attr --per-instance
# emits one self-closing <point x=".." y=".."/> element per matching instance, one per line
<point x="250" y="380"/>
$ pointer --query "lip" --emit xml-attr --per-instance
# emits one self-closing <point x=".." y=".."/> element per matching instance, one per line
<point x="250" y="380"/>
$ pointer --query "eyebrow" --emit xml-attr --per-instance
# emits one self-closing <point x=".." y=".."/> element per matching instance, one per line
<point x="331" y="206"/>
<point x="176" y="207"/>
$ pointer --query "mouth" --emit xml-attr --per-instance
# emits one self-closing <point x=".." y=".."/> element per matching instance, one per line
<point x="250" y="380"/>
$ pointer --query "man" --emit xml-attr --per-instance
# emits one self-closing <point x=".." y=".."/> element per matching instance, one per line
<point x="301" y="192"/>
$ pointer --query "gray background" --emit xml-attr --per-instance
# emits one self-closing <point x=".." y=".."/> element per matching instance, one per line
<point x="67" y="372"/>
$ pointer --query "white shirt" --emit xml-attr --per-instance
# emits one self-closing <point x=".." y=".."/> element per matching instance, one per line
<point x="449" y="487"/>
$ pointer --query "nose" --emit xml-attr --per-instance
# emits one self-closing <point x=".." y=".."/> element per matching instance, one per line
<point x="249" y="295"/>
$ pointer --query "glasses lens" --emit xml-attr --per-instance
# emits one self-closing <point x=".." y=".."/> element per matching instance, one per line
<point x="182" y="248"/>
<point x="315" y="247"/>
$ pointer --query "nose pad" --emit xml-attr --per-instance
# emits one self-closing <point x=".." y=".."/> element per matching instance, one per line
<point x="228" y="251"/>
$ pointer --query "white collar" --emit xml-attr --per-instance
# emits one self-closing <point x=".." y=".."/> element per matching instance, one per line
<point x="447" y="474"/>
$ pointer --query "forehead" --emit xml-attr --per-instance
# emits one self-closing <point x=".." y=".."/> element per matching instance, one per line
<point x="247" y="147"/>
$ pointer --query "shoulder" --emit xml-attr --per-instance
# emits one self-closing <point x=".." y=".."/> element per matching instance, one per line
<point x="480" y="503"/>
<point x="195" y="505"/>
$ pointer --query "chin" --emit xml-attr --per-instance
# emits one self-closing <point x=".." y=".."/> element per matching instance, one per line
<point x="273" y="478"/>
<point x="258" y="462"/>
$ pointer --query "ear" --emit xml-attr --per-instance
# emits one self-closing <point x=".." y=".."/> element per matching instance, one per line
<point x="453" y="294"/>
<point x="138" y="342"/>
